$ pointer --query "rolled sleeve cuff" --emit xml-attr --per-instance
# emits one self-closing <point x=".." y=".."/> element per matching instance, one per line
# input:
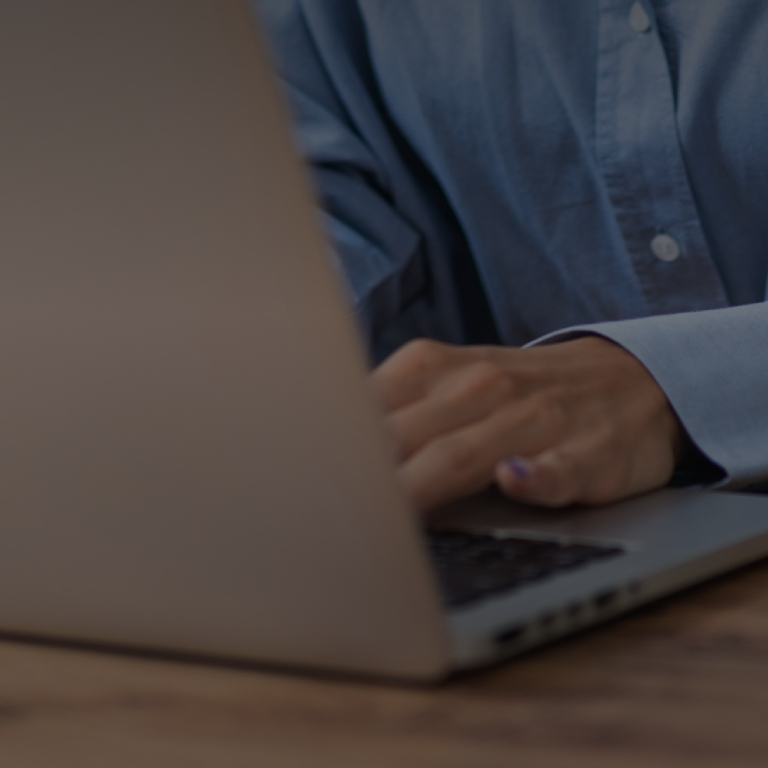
<point x="713" y="368"/>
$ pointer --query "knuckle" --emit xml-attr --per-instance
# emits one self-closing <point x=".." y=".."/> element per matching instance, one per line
<point x="540" y="413"/>
<point x="551" y="403"/>
<point x="422" y="354"/>
<point x="411" y="362"/>
<point x="423" y="348"/>
<point x="480" y="380"/>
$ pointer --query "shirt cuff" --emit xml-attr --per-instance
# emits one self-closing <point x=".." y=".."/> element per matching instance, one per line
<point x="713" y="368"/>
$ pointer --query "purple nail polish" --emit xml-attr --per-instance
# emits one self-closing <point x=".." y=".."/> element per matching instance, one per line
<point x="519" y="466"/>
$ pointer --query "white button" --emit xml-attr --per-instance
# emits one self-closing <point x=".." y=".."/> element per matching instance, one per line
<point x="638" y="18"/>
<point x="665" y="247"/>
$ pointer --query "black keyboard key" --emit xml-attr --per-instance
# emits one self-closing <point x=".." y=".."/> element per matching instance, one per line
<point x="473" y="566"/>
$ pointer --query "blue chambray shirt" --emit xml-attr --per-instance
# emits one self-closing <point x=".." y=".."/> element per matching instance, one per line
<point x="514" y="169"/>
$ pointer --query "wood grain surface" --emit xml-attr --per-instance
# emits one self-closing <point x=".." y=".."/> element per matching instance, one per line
<point x="682" y="683"/>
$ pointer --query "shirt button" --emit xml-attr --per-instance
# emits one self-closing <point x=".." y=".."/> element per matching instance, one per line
<point x="638" y="18"/>
<point x="665" y="247"/>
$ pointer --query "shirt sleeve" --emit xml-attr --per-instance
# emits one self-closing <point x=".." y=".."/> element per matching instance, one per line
<point x="713" y="368"/>
<point x="363" y="176"/>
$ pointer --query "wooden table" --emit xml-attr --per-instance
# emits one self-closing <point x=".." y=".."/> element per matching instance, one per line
<point x="683" y="683"/>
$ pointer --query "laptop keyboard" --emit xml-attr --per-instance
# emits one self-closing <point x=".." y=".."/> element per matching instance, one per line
<point x="473" y="566"/>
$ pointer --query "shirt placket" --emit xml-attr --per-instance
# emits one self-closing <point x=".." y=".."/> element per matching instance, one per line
<point x="640" y="158"/>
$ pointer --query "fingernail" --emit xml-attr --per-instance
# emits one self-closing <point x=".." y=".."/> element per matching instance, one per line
<point x="519" y="466"/>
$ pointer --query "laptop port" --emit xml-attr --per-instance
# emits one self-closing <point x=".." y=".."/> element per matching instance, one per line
<point x="546" y="621"/>
<point x="511" y="635"/>
<point x="606" y="600"/>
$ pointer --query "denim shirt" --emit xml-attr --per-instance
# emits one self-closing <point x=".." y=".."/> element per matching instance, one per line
<point x="525" y="171"/>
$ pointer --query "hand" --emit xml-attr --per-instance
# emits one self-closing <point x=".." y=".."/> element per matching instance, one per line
<point x="577" y="422"/>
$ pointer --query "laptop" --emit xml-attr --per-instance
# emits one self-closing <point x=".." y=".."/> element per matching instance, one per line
<point x="192" y="460"/>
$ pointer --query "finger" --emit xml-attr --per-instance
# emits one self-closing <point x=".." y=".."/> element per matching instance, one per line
<point x="409" y="374"/>
<point x="416" y="368"/>
<point x="450" y="468"/>
<point x="463" y="462"/>
<point x="596" y="466"/>
<point x="590" y="468"/>
<point x="468" y="396"/>
<point x="551" y="479"/>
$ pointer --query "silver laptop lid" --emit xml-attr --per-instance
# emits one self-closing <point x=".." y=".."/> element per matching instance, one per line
<point x="190" y="458"/>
